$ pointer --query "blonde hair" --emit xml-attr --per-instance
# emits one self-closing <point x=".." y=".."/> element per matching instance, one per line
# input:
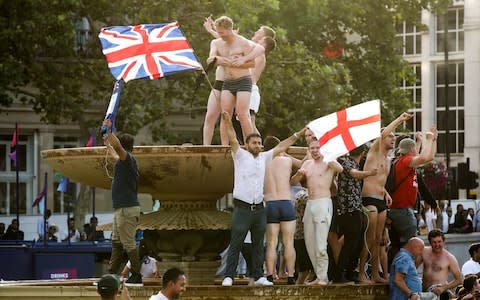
<point x="268" y="31"/>
<point x="224" y="22"/>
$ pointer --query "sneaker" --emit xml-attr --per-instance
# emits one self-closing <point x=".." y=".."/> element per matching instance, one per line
<point x="134" y="280"/>
<point x="263" y="281"/>
<point x="227" y="281"/>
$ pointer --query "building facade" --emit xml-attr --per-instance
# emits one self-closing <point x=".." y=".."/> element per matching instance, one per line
<point x="424" y="49"/>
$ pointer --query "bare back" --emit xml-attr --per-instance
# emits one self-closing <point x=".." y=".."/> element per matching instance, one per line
<point x="319" y="178"/>
<point x="277" y="179"/>
<point x="375" y="185"/>
<point x="238" y="47"/>
<point x="260" y="62"/>
<point x="436" y="267"/>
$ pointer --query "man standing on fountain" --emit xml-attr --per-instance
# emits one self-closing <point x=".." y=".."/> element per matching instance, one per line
<point x="249" y="213"/>
<point x="125" y="204"/>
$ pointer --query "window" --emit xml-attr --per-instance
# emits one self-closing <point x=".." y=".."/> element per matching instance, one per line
<point x="63" y="203"/>
<point x="8" y="181"/>
<point x="455" y="119"/>
<point x="414" y="92"/>
<point x="455" y="36"/>
<point x="410" y="37"/>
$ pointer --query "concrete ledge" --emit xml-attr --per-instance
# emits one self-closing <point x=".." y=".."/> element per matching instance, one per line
<point x="279" y="292"/>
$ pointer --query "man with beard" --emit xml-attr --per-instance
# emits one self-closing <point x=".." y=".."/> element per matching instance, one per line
<point x="437" y="264"/>
<point x="249" y="213"/>
<point x="174" y="284"/>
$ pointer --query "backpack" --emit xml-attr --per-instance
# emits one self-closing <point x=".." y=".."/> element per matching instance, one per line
<point x="390" y="185"/>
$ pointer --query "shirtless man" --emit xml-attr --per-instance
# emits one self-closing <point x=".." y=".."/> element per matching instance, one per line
<point x="265" y="38"/>
<point x="280" y="211"/>
<point x="233" y="51"/>
<point x="319" y="210"/>
<point x="267" y="42"/>
<point x="376" y="199"/>
<point x="437" y="264"/>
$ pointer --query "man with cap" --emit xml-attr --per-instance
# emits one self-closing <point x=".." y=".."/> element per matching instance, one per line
<point x="109" y="287"/>
<point x="405" y="195"/>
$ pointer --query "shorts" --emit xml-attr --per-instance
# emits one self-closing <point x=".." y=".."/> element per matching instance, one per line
<point x="280" y="211"/>
<point x="218" y="85"/>
<point x="242" y="84"/>
<point x="378" y="203"/>
<point x="254" y="100"/>
<point x="404" y="223"/>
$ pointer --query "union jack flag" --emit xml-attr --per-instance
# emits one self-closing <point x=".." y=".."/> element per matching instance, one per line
<point x="147" y="51"/>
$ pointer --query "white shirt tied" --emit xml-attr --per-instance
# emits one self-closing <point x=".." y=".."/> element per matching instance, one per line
<point x="249" y="175"/>
<point x="470" y="267"/>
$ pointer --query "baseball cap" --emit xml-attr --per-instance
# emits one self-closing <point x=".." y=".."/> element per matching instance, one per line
<point x="405" y="145"/>
<point x="108" y="284"/>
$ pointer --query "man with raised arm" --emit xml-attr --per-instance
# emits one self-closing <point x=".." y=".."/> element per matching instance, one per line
<point x="404" y="197"/>
<point x="375" y="198"/>
<point x="437" y="264"/>
<point x="233" y="52"/>
<point x="249" y="213"/>
<point x="319" y="210"/>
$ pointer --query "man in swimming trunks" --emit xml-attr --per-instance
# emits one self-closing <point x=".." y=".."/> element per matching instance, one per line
<point x="233" y="51"/>
<point x="375" y="198"/>
<point x="319" y="210"/>
<point x="280" y="211"/>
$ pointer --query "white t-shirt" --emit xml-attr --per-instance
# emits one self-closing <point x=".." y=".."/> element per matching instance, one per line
<point x="40" y="224"/>
<point x="445" y="222"/>
<point x="73" y="238"/>
<point x="148" y="267"/>
<point x="470" y="267"/>
<point x="158" y="296"/>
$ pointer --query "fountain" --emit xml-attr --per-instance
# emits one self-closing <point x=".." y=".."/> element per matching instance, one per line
<point x="188" y="230"/>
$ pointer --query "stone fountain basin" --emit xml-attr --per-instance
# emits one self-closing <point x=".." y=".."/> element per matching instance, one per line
<point x="166" y="172"/>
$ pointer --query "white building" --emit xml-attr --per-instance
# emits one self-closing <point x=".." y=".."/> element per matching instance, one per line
<point x="424" y="50"/>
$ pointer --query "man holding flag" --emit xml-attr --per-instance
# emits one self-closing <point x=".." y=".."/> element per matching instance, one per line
<point x="125" y="204"/>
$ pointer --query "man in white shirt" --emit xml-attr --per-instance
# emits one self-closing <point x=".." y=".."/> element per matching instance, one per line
<point x="71" y="233"/>
<point x="42" y="224"/>
<point x="472" y="266"/>
<point x="249" y="213"/>
<point x="174" y="284"/>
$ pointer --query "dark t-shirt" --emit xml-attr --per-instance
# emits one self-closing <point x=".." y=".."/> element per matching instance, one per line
<point x="124" y="185"/>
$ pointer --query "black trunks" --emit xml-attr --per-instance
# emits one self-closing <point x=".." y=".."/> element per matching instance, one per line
<point x="378" y="203"/>
<point x="218" y="85"/>
<point x="242" y="84"/>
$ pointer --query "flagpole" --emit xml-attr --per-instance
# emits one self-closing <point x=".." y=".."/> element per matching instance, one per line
<point x="17" y="163"/>
<point x="45" y="233"/>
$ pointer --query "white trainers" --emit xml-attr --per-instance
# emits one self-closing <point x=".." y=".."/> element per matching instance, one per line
<point x="227" y="281"/>
<point x="263" y="281"/>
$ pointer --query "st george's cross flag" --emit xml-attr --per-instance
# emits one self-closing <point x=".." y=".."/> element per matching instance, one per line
<point x="147" y="51"/>
<point x="343" y="131"/>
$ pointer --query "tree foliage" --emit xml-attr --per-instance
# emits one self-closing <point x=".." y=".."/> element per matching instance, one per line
<point x="40" y="66"/>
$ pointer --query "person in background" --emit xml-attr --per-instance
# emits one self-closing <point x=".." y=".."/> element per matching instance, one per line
<point x="470" y="289"/>
<point x="476" y="221"/>
<point x="72" y="233"/>
<point x="109" y="287"/>
<point x="174" y="284"/>
<point x="148" y="267"/>
<point x="472" y="266"/>
<point x="42" y="223"/>
<point x="13" y="231"/>
<point x="91" y="232"/>
<point x="2" y="231"/>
